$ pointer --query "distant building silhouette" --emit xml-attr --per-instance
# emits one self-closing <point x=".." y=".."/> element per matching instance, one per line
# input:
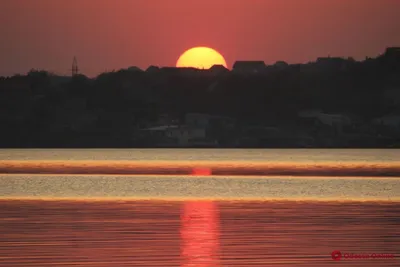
<point x="249" y="67"/>
<point x="281" y="65"/>
<point x="206" y="120"/>
<point x="74" y="69"/>
<point x="218" y="69"/>
<point x="391" y="120"/>
<point x="332" y="63"/>
<point x="393" y="51"/>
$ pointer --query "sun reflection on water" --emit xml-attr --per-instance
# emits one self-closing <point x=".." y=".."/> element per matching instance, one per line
<point x="200" y="234"/>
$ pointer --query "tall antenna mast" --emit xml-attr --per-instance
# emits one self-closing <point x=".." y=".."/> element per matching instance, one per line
<point x="75" y="68"/>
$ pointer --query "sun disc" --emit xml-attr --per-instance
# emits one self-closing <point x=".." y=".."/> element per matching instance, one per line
<point x="200" y="58"/>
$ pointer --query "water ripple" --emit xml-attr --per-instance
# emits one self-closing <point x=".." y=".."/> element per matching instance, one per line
<point x="195" y="233"/>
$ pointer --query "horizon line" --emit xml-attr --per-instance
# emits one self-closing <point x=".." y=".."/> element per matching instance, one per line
<point x="62" y="74"/>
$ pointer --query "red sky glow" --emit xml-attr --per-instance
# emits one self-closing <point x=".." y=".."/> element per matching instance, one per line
<point x="106" y="34"/>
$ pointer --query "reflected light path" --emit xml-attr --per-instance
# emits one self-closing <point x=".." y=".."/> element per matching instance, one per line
<point x="200" y="234"/>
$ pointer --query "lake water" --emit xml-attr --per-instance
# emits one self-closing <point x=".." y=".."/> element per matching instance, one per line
<point x="281" y="155"/>
<point x="127" y="220"/>
<point x="195" y="233"/>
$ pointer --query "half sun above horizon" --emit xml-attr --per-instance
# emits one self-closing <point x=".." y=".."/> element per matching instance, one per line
<point x="200" y="58"/>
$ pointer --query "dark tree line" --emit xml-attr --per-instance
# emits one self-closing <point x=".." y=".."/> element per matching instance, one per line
<point x="44" y="110"/>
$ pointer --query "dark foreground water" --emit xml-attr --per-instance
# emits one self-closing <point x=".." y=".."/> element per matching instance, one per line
<point x="276" y="230"/>
<point x="196" y="233"/>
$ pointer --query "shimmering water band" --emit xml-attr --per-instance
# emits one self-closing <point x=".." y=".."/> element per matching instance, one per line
<point x="203" y="168"/>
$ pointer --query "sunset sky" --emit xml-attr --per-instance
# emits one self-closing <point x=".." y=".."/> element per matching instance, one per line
<point x="114" y="34"/>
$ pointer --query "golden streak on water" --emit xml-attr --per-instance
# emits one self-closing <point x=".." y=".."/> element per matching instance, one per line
<point x="191" y="163"/>
<point x="212" y="188"/>
<point x="184" y="199"/>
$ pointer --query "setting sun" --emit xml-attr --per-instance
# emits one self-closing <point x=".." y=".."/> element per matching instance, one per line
<point x="201" y="58"/>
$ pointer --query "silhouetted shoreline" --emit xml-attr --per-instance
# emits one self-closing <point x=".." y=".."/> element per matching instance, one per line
<point x="201" y="147"/>
<point x="330" y="103"/>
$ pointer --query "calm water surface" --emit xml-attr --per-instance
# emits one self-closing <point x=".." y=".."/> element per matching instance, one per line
<point x="253" y="155"/>
<point x="195" y="233"/>
<point x="263" y="187"/>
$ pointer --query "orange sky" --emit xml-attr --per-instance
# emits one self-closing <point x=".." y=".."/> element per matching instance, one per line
<point x="113" y="34"/>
